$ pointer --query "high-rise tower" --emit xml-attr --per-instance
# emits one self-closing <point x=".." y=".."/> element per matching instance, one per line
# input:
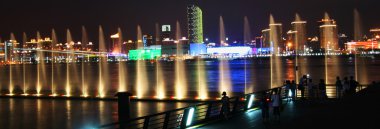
<point x="195" y="23"/>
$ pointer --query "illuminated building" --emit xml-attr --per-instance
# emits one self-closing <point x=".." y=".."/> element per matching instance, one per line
<point x="291" y="40"/>
<point x="144" y="54"/>
<point x="166" y="32"/>
<point x="234" y="51"/>
<point x="195" y="30"/>
<point x="265" y="38"/>
<point x="130" y="45"/>
<point x="169" y="46"/>
<point x="8" y="50"/>
<point x="195" y="24"/>
<point x="115" y="44"/>
<point x="357" y="46"/>
<point x="299" y="31"/>
<point x="148" y="40"/>
<point x="329" y="35"/>
<point x="343" y="39"/>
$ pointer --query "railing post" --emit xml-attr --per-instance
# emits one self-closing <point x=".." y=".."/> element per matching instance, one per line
<point x="123" y="102"/>
<point x="246" y="103"/>
<point x="184" y="118"/>
<point x="166" y="121"/>
<point x="209" y="108"/>
<point x="146" y="123"/>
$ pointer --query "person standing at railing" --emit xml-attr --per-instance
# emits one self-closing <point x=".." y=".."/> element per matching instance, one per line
<point x="353" y="85"/>
<point x="264" y="105"/>
<point x="301" y="86"/>
<point x="293" y="86"/>
<point x="310" y="89"/>
<point x="346" y="87"/>
<point x="275" y="99"/>
<point x="225" y="105"/>
<point x="339" y="88"/>
<point x="322" y="89"/>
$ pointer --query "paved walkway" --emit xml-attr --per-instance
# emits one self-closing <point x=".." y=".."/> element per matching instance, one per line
<point x="361" y="111"/>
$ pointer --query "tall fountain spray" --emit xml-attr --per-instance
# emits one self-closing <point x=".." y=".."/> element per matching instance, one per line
<point x="275" y="36"/>
<point x="122" y="68"/>
<point x="329" y="42"/>
<point x="158" y="37"/>
<point x="360" y="64"/>
<point x="85" y="41"/>
<point x="180" y="81"/>
<point x="41" y="75"/>
<point x="247" y="39"/>
<point x="222" y="33"/>
<point x="11" y="85"/>
<point x="142" y="82"/>
<point x="224" y="68"/>
<point x="70" y="57"/>
<point x="299" y="29"/>
<point x="25" y="87"/>
<point x="160" y="83"/>
<point x="54" y="42"/>
<point x="103" y="66"/>
<point x="247" y="31"/>
<point x="201" y="77"/>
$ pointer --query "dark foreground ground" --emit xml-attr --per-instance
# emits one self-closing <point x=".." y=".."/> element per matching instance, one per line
<point x="361" y="111"/>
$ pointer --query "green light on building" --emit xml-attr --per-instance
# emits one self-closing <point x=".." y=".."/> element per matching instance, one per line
<point x="195" y="24"/>
<point x="144" y="54"/>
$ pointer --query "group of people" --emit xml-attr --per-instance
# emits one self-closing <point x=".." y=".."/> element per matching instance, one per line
<point x="273" y="99"/>
<point x="345" y="87"/>
<point x="314" y="91"/>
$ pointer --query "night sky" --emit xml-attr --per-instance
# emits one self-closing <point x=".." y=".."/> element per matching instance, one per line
<point x="31" y="15"/>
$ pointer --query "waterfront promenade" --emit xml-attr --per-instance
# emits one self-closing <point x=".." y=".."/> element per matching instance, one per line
<point x="360" y="111"/>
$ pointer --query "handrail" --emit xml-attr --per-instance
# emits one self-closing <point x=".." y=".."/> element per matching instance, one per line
<point x="198" y="113"/>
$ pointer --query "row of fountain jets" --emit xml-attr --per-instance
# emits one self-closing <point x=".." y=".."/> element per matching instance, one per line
<point x="142" y="87"/>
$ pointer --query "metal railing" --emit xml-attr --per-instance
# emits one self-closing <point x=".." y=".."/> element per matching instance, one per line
<point x="201" y="113"/>
<point x="197" y="114"/>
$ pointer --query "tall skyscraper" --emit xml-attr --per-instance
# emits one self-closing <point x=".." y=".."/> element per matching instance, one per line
<point x="195" y="24"/>
<point x="329" y="34"/>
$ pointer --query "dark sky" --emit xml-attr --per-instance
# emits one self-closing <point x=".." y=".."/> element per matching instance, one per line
<point x="31" y="15"/>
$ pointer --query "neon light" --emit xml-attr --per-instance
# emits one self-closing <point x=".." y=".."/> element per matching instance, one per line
<point x="290" y="93"/>
<point x="190" y="116"/>
<point x="251" y="101"/>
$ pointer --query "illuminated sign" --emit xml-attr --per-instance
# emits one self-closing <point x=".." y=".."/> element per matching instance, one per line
<point x="166" y="28"/>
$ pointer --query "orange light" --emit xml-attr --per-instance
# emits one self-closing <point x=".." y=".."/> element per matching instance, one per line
<point x="289" y="44"/>
<point x="378" y="36"/>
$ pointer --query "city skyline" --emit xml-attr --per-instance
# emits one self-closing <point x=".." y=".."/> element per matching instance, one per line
<point x="60" y="17"/>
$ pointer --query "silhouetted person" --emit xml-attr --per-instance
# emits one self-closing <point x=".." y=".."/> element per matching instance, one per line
<point x="346" y="87"/>
<point x="310" y="89"/>
<point x="322" y="89"/>
<point x="302" y="85"/>
<point x="353" y="85"/>
<point x="293" y="86"/>
<point x="264" y="105"/>
<point x="275" y="99"/>
<point x="339" y="88"/>
<point x="225" y="105"/>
